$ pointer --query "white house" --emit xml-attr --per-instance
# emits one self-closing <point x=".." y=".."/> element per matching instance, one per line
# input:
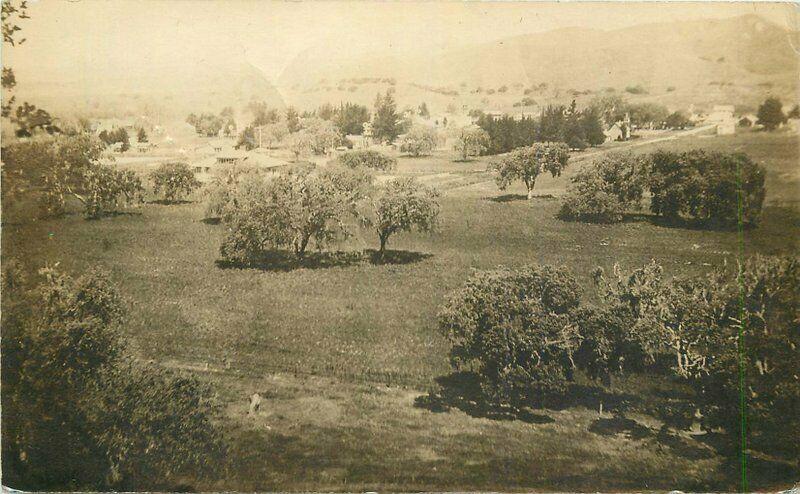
<point x="722" y="117"/>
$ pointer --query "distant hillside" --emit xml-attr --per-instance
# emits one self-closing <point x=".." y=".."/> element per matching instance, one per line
<point x="738" y="60"/>
<point x="168" y="90"/>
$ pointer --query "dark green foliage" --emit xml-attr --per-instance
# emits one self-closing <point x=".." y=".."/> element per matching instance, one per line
<point x="117" y="135"/>
<point x="506" y="133"/>
<point x="367" y="158"/>
<point x="384" y="125"/>
<point x="677" y="120"/>
<point x="710" y="187"/>
<point x="606" y="190"/>
<point x="76" y="415"/>
<point x="513" y="329"/>
<point x="350" y="118"/>
<point x="770" y="114"/>
<point x="714" y="330"/>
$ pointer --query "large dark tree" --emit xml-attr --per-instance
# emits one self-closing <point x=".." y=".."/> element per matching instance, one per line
<point x="770" y="114"/>
<point x="384" y="126"/>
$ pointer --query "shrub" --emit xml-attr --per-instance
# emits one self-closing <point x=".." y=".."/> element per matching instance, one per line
<point x="512" y="328"/>
<point x="176" y="180"/>
<point x="367" y="158"/>
<point x="710" y="187"/>
<point x="76" y="414"/>
<point x="603" y="192"/>
<point x="419" y="141"/>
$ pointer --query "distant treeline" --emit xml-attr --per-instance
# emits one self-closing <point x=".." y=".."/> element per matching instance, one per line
<point x="557" y="123"/>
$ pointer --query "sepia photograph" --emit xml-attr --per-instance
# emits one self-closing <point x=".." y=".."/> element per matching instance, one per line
<point x="400" y="246"/>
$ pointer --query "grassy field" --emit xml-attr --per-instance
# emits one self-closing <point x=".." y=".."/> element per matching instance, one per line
<point x="342" y="351"/>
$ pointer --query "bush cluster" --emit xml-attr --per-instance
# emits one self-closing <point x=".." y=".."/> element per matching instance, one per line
<point x="604" y="192"/>
<point x="367" y="158"/>
<point x="525" y="333"/>
<point x="78" y="413"/>
<point x="715" y="189"/>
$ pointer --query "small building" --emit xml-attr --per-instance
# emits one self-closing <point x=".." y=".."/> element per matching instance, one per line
<point x="722" y="117"/>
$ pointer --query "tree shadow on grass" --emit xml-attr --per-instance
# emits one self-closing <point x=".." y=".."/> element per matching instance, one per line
<point x="694" y="224"/>
<point x="517" y="197"/>
<point x="462" y="390"/>
<point x="114" y="214"/>
<point x="164" y="202"/>
<point x="283" y="261"/>
<point x="211" y="221"/>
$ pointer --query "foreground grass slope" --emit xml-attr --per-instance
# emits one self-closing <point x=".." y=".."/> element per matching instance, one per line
<point x="342" y="349"/>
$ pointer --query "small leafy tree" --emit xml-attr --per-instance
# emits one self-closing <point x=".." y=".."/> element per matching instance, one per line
<point x="176" y="180"/>
<point x="69" y="166"/>
<point x="419" y="141"/>
<point x="470" y="141"/>
<point x="677" y="120"/>
<point x="604" y="191"/>
<point x="141" y="135"/>
<point x="367" y="158"/>
<point x="402" y="204"/>
<point x="221" y="193"/>
<point x="300" y="144"/>
<point x="289" y="210"/>
<point x="323" y="135"/>
<point x="512" y="328"/>
<point x="770" y="114"/>
<point x="527" y="163"/>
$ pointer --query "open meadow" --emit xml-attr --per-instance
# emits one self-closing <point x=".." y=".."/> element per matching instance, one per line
<point x="345" y="351"/>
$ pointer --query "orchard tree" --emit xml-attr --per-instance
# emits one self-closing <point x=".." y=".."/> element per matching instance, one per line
<point x="176" y="180"/>
<point x="470" y="141"/>
<point x="68" y="166"/>
<point x="323" y="134"/>
<point x="770" y="114"/>
<point x="512" y="327"/>
<point x="290" y="210"/>
<point x="527" y="163"/>
<point x="300" y="144"/>
<point x="402" y="204"/>
<point x="419" y="141"/>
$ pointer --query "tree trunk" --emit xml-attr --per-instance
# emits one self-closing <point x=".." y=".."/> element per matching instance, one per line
<point x="384" y="238"/>
<point x="300" y="249"/>
<point x="530" y="185"/>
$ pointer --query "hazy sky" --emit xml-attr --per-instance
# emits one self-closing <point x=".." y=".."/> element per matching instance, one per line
<point x="88" y="38"/>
